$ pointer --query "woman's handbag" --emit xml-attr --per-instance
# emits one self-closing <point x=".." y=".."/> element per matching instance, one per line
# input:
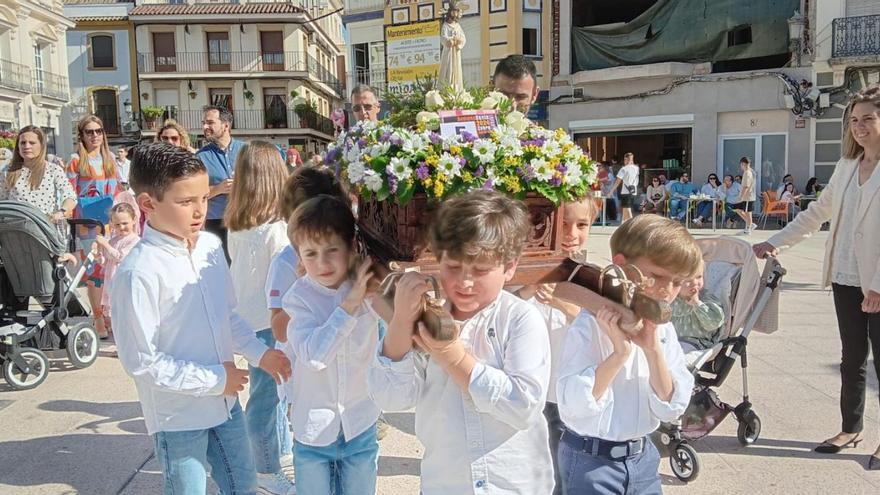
<point x="95" y="208"/>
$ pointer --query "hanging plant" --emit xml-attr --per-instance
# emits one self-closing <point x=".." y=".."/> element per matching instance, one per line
<point x="192" y="94"/>
<point x="249" y="96"/>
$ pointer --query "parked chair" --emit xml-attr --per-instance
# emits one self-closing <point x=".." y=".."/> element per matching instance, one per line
<point x="771" y="207"/>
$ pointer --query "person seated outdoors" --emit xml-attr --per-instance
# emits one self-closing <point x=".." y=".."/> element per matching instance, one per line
<point x="655" y="198"/>
<point x="732" y="190"/>
<point x="697" y="317"/>
<point x="712" y="188"/>
<point x="790" y="196"/>
<point x="679" y="192"/>
<point x="813" y="187"/>
<point x="788" y="179"/>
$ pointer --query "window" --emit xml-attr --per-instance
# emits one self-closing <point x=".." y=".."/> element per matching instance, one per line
<point x="164" y="52"/>
<point x="272" y="46"/>
<point x="105" y="106"/>
<point x="218" y="51"/>
<point x="275" y="106"/>
<point x="740" y="35"/>
<point x="530" y="42"/>
<point x="221" y="97"/>
<point x="101" y="51"/>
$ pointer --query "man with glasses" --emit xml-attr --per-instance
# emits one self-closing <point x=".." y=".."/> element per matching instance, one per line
<point x="219" y="157"/>
<point x="679" y="192"/>
<point x="364" y="103"/>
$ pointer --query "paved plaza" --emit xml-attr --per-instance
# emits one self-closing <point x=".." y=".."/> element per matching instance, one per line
<point x="82" y="431"/>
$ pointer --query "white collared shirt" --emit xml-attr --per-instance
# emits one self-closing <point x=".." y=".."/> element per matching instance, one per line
<point x="629" y="409"/>
<point x="252" y="251"/>
<point x="175" y="325"/>
<point x="493" y="439"/>
<point x="557" y="326"/>
<point x="333" y="354"/>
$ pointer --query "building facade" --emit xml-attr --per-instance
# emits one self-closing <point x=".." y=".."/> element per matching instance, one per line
<point x="494" y="29"/>
<point x="845" y="48"/>
<point x="274" y="65"/>
<point x="33" y="66"/>
<point x="681" y="89"/>
<point x="103" y="77"/>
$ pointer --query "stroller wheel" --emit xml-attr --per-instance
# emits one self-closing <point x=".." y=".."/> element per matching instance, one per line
<point x="82" y="345"/>
<point x="36" y="372"/>
<point x="749" y="429"/>
<point x="684" y="462"/>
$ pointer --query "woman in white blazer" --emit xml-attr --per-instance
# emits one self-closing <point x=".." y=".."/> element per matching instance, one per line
<point x="851" y="202"/>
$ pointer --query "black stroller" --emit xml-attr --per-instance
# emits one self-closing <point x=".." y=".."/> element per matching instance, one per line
<point x="30" y="247"/>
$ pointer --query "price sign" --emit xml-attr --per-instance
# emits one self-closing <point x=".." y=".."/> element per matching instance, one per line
<point x="412" y="52"/>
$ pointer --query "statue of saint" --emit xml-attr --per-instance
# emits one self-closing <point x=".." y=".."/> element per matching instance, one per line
<point x="453" y="40"/>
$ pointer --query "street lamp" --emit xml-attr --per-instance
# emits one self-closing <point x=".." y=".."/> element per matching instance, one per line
<point x="796" y="34"/>
<point x="126" y="105"/>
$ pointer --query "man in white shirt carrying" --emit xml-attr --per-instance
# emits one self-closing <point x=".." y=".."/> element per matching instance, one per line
<point x="615" y="388"/>
<point x="177" y="330"/>
<point x="123" y="165"/>
<point x="628" y="181"/>
<point x="478" y="397"/>
<point x="747" y="196"/>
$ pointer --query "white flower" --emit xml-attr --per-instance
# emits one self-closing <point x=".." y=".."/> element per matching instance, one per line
<point x="354" y="154"/>
<point x="380" y="149"/>
<point x="498" y="96"/>
<point x="429" y="119"/>
<point x="551" y="148"/>
<point x="449" y="165"/>
<point x="573" y="173"/>
<point x="399" y="167"/>
<point x="543" y="171"/>
<point x="574" y="154"/>
<point x="510" y="145"/>
<point x="484" y="150"/>
<point x="517" y="121"/>
<point x="414" y="144"/>
<point x="373" y="181"/>
<point x="466" y="98"/>
<point x="433" y="100"/>
<point x="489" y="103"/>
<point x="355" y="172"/>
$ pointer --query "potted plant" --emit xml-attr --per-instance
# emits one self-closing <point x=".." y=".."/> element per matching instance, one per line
<point x="249" y="96"/>
<point x="7" y="140"/>
<point x="151" y="115"/>
<point x="192" y="94"/>
<point x="307" y="111"/>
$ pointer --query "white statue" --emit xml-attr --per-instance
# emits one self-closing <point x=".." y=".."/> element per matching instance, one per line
<point x="453" y="40"/>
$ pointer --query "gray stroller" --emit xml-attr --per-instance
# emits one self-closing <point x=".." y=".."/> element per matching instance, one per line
<point x="30" y="247"/>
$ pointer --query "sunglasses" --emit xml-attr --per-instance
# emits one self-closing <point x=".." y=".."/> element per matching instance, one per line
<point x="362" y="108"/>
<point x="94" y="132"/>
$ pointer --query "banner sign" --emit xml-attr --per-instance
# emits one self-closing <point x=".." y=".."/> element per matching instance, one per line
<point x="479" y="123"/>
<point x="412" y="51"/>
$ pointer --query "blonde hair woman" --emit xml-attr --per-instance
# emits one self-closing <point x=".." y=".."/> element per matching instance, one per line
<point x="851" y="202"/>
<point x="174" y="134"/>
<point x="95" y="179"/>
<point x="257" y="231"/>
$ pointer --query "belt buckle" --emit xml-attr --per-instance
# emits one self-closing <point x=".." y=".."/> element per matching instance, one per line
<point x="635" y="447"/>
<point x="619" y="451"/>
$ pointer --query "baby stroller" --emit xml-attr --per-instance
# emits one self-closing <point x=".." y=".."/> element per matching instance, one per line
<point x="749" y="303"/>
<point x="30" y="247"/>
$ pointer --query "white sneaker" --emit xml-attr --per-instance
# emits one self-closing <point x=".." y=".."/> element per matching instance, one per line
<point x="276" y="484"/>
<point x="754" y="227"/>
<point x="698" y="221"/>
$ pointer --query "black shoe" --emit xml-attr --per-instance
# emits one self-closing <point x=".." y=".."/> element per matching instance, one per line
<point x="829" y="448"/>
<point x="874" y="463"/>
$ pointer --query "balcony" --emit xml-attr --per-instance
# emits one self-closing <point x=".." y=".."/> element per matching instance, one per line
<point x="856" y="36"/>
<point x="50" y="84"/>
<point x="14" y="76"/>
<point x="250" y="120"/>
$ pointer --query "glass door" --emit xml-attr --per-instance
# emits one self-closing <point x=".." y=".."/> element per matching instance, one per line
<point x="767" y="152"/>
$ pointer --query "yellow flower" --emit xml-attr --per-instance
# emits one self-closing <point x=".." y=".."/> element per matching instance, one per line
<point x="438" y="189"/>
<point x="431" y="160"/>
<point x="455" y="150"/>
<point x="512" y="184"/>
<point x="467" y="177"/>
<point x="531" y="149"/>
<point x="427" y="182"/>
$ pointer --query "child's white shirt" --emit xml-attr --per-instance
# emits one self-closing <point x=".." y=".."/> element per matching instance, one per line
<point x="557" y="328"/>
<point x="252" y="251"/>
<point x="493" y="439"/>
<point x="334" y="351"/>
<point x="629" y="409"/>
<point x="282" y="275"/>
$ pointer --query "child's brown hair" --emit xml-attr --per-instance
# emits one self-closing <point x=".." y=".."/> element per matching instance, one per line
<point x="480" y="225"/>
<point x="320" y="218"/>
<point x="309" y="182"/>
<point x="257" y="188"/>
<point x="660" y="240"/>
<point x="124" y="208"/>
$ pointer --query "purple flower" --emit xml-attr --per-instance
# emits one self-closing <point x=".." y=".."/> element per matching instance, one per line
<point x="331" y="154"/>
<point x="362" y="143"/>
<point x="436" y="138"/>
<point x="385" y="136"/>
<point x="488" y="185"/>
<point x="561" y="168"/>
<point x="462" y="160"/>
<point x="396" y="141"/>
<point x="526" y="172"/>
<point x="479" y="171"/>
<point x="392" y="183"/>
<point x="555" y="182"/>
<point x="422" y="172"/>
<point x="467" y="137"/>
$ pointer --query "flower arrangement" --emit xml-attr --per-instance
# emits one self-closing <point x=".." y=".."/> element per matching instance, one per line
<point x="394" y="163"/>
<point x="7" y="140"/>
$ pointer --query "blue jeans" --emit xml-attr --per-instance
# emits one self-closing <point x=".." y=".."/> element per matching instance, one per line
<point x="704" y="210"/>
<point x="184" y="457"/>
<point x="264" y="423"/>
<point x="677" y="208"/>
<point x="584" y="473"/>
<point x="341" y="468"/>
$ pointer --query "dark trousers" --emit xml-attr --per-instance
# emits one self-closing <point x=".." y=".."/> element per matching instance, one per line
<point x="586" y="474"/>
<point x="859" y="332"/>
<point x="554" y="427"/>
<point x="216" y="227"/>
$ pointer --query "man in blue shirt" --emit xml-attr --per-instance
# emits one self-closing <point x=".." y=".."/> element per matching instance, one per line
<point x="679" y="192"/>
<point x="219" y="157"/>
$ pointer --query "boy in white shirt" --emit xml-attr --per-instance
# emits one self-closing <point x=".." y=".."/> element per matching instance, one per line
<point x="615" y="388"/>
<point x="177" y="330"/>
<point x="479" y="397"/>
<point x="334" y="335"/>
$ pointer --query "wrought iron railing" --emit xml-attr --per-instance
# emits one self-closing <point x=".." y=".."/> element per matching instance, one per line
<point x="324" y="75"/>
<point x="250" y="119"/>
<point x="14" y="76"/>
<point x="856" y="36"/>
<point x="50" y="84"/>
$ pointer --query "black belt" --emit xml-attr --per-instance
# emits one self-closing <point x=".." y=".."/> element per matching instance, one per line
<point x="616" y="451"/>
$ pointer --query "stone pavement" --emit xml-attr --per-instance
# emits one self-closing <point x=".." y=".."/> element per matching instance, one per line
<point x="82" y="432"/>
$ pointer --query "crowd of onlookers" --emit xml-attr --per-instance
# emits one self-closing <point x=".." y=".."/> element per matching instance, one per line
<point x="630" y="189"/>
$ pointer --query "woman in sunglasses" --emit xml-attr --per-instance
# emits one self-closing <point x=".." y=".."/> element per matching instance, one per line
<point x="174" y="134"/>
<point x="655" y="199"/>
<point x="711" y="188"/>
<point x="95" y="180"/>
